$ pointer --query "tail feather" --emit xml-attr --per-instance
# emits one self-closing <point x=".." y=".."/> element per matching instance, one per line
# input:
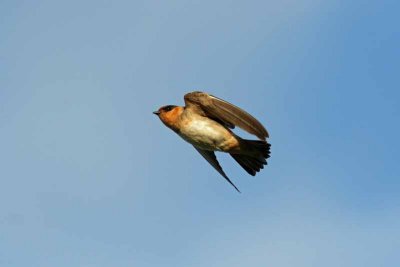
<point x="256" y="153"/>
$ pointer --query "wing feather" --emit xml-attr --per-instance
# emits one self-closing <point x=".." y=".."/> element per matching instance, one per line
<point x="212" y="159"/>
<point x="226" y="112"/>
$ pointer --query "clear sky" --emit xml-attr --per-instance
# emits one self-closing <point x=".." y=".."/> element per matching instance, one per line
<point x="89" y="177"/>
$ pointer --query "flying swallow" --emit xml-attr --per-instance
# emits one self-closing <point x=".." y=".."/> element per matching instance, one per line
<point x="206" y="122"/>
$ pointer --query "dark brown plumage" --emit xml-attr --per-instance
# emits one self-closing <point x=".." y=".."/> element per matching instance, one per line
<point x="229" y="114"/>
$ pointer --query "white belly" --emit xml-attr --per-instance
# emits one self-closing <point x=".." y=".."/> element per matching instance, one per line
<point x="205" y="134"/>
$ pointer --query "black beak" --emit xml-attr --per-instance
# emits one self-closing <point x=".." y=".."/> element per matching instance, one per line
<point x="156" y="113"/>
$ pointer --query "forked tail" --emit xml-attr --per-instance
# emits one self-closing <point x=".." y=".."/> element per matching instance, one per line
<point x="254" y="156"/>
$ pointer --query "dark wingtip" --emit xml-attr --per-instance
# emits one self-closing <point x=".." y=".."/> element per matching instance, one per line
<point x="238" y="190"/>
<point x="229" y="181"/>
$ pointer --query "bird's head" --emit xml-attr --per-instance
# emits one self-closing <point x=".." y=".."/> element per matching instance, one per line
<point x="169" y="115"/>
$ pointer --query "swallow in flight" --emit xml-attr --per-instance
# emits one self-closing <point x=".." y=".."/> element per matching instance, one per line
<point x="206" y="122"/>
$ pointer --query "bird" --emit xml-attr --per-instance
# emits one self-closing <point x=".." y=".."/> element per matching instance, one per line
<point x="206" y="122"/>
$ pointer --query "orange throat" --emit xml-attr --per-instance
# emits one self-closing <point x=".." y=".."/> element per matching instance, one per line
<point x="172" y="118"/>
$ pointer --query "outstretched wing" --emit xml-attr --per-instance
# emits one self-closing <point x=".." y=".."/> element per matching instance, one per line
<point x="212" y="159"/>
<point x="223" y="111"/>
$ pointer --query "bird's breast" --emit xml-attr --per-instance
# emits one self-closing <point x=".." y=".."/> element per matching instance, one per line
<point x="207" y="134"/>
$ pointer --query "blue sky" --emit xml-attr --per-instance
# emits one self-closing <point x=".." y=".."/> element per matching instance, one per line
<point x="89" y="177"/>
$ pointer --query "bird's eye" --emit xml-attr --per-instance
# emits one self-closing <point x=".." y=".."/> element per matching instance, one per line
<point x="168" y="108"/>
